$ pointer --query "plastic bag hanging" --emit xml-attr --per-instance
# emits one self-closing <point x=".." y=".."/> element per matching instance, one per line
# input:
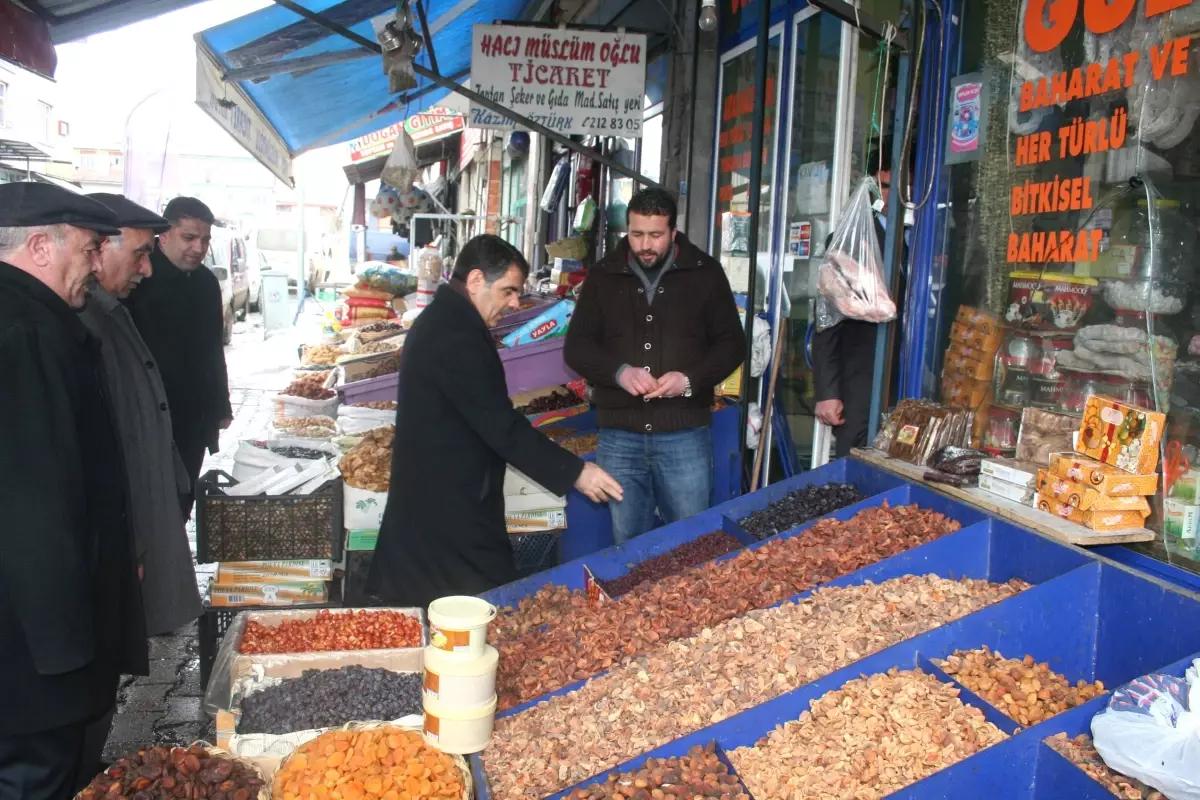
<point x="850" y="279"/>
<point x="400" y="169"/>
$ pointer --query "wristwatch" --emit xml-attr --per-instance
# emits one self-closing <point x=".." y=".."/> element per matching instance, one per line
<point x="687" y="386"/>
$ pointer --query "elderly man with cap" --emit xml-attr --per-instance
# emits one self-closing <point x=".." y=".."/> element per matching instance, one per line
<point x="71" y="619"/>
<point x="178" y="313"/>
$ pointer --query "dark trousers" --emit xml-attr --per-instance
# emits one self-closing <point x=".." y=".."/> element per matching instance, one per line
<point x="42" y="766"/>
<point x="191" y="452"/>
<point x="95" y="736"/>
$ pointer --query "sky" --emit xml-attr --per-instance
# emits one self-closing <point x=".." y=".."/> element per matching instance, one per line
<point x="102" y="78"/>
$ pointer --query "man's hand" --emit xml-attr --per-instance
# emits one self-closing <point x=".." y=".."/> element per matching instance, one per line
<point x="637" y="381"/>
<point x="598" y="485"/>
<point x="225" y="423"/>
<point x="673" y="384"/>
<point x="830" y="412"/>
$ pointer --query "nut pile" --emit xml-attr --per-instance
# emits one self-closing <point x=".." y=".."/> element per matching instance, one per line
<point x="555" y="401"/>
<point x="368" y="465"/>
<point x="352" y="630"/>
<point x="548" y="604"/>
<point x="581" y="445"/>
<point x="330" y="699"/>
<point x="323" y="354"/>
<point x="316" y="377"/>
<point x="1024" y="690"/>
<point x="381" y="327"/>
<point x="386" y="366"/>
<point x="309" y="391"/>
<point x="687" y="555"/>
<point x="157" y="772"/>
<point x="300" y="423"/>
<point x="700" y="775"/>
<point x="868" y="739"/>
<point x="381" y="762"/>
<point x="589" y="640"/>
<point x="679" y="688"/>
<point x="1080" y="752"/>
<point x="382" y="346"/>
<point x="378" y="405"/>
<point x="800" y="507"/>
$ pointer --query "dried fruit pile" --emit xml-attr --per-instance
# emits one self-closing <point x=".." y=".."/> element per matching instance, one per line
<point x="309" y="391"/>
<point x="687" y="555"/>
<point x="800" y="507"/>
<point x="377" y="763"/>
<point x="1024" y="690"/>
<point x="1080" y="752"/>
<point x="352" y="630"/>
<point x="378" y="405"/>
<point x="368" y="465"/>
<point x="302" y="453"/>
<point x="555" y="401"/>
<point x="684" y="686"/>
<point x="558" y="432"/>
<point x="589" y="640"/>
<point x="583" y="445"/>
<point x="548" y="604"/>
<point x="868" y="739"/>
<point x="330" y="699"/>
<point x="157" y="772"/>
<point x="700" y="775"/>
<point x="323" y="354"/>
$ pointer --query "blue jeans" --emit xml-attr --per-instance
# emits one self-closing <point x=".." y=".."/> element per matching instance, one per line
<point x="667" y="472"/>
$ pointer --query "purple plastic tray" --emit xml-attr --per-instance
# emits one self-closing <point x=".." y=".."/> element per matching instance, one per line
<point x="526" y="368"/>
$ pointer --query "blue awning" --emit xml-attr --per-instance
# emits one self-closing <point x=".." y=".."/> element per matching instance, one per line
<point x="347" y="96"/>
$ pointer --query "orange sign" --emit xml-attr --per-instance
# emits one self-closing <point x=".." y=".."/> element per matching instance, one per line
<point x="1047" y="22"/>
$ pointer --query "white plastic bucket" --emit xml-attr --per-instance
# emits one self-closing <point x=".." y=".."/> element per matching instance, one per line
<point x="459" y="731"/>
<point x="454" y="683"/>
<point x="458" y="625"/>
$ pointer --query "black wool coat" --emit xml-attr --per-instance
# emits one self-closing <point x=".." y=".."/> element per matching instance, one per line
<point x="443" y="529"/>
<point x="71" y="619"/>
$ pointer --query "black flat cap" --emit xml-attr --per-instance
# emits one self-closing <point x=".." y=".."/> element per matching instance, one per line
<point x="130" y="214"/>
<point x="31" y="205"/>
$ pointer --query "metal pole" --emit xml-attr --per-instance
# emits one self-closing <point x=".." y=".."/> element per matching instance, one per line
<point x="754" y="201"/>
<point x="428" y="36"/>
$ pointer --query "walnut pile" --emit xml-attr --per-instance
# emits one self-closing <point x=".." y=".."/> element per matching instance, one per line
<point x="293" y="424"/>
<point x="871" y="737"/>
<point x="1082" y="753"/>
<point x="688" y="684"/>
<point x="368" y="465"/>
<point x="1024" y="690"/>
<point x="589" y="640"/>
<point x="324" y="354"/>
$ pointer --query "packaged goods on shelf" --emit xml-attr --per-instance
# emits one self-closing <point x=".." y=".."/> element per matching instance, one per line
<point x="1010" y="471"/>
<point x="963" y="392"/>
<point x="361" y="539"/>
<point x="1043" y="433"/>
<point x="1105" y="478"/>
<point x="1181" y="521"/>
<point x="286" y="571"/>
<point x="1050" y="301"/>
<point x="1095" y="520"/>
<point x="1085" y="498"/>
<point x="267" y="593"/>
<point x="549" y="324"/>
<point x="916" y="429"/>
<point x="1009" y="491"/>
<point x="536" y="520"/>
<point x="962" y="363"/>
<point x="1120" y="434"/>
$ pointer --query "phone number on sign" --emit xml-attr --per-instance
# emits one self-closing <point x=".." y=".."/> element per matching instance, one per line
<point x="613" y="124"/>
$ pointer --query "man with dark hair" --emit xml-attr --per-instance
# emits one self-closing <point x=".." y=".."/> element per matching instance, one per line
<point x="655" y="330"/>
<point x="843" y="356"/>
<point x="443" y="530"/>
<point x="178" y="313"/>
<point x="71" y="619"/>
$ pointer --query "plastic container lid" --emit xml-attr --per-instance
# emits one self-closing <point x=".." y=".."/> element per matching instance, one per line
<point x="459" y="612"/>
<point x="444" y="711"/>
<point x="442" y="663"/>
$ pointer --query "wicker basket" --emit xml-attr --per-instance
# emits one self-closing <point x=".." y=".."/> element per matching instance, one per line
<point x="464" y="771"/>
<point x="263" y="794"/>
<point x="266" y="528"/>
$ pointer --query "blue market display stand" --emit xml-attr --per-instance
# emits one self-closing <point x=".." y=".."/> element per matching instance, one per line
<point x="1090" y="617"/>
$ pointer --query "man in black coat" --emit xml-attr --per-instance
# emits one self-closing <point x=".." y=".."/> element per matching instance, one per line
<point x="71" y="619"/>
<point x="178" y="312"/>
<point x="443" y="530"/>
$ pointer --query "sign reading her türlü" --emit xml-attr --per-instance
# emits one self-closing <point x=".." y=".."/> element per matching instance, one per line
<point x="573" y="82"/>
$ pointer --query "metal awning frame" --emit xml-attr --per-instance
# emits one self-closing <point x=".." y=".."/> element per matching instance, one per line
<point x="453" y="86"/>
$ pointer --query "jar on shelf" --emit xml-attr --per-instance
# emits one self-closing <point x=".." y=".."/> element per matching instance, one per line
<point x="1002" y="428"/>
<point x="1045" y="365"/>
<point x="1078" y="388"/>
<point x="1020" y="351"/>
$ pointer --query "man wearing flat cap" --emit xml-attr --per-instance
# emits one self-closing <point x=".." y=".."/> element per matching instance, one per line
<point x="71" y="618"/>
<point x="178" y="313"/>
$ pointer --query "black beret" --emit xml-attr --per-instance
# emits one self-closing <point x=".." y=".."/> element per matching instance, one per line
<point x="130" y="214"/>
<point x="32" y="205"/>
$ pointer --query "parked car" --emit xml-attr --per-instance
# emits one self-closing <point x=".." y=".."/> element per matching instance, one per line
<point x="227" y="259"/>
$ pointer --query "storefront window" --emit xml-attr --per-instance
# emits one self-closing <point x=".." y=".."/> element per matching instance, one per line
<point x="1072" y="183"/>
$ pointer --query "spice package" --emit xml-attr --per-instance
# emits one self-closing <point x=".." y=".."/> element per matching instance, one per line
<point x="977" y="329"/>
<point x="1120" y="434"/>
<point x="1009" y="491"/>
<point x="268" y="594"/>
<point x="1085" y="498"/>
<point x="919" y="429"/>
<point x="296" y="571"/>
<point x="550" y="324"/>
<point x="1021" y="473"/>
<point x="1095" y="520"/>
<point x="1105" y="478"/>
<point x="961" y="362"/>
<point x="1043" y="433"/>
<point x="962" y="392"/>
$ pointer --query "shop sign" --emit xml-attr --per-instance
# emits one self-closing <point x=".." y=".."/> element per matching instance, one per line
<point x="434" y="124"/>
<point x="374" y="144"/>
<point x="967" y="126"/>
<point x="241" y="119"/>
<point x="573" y="82"/>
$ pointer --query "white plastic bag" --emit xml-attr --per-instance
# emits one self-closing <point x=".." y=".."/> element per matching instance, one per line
<point x="850" y="282"/>
<point x="1149" y="732"/>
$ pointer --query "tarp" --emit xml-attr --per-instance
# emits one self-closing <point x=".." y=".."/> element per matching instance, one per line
<point x="341" y="101"/>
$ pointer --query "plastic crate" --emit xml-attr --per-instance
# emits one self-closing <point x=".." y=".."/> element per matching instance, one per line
<point x="535" y="552"/>
<point x="266" y="528"/>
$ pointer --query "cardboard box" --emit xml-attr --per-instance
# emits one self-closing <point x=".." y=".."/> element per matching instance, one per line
<point x="358" y="368"/>
<point x="959" y="363"/>
<point x="1182" y="520"/>
<point x="978" y="319"/>
<point x="1123" y="435"/>
<point x="361" y="539"/>
<point x="1009" y="491"/>
<point x="964" y="392"/>
<point x="297" y="571"/>
<point x="267" y="594"/>
<point x="523" y="495"/>
<point x="536" y="521"/>
<point x="362" y="510"/>
<point x="1020" y="473"/>
<point x="1104" y="478"/>
<point x="1085" y="498"/>
<point x="1095" y="520"/>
